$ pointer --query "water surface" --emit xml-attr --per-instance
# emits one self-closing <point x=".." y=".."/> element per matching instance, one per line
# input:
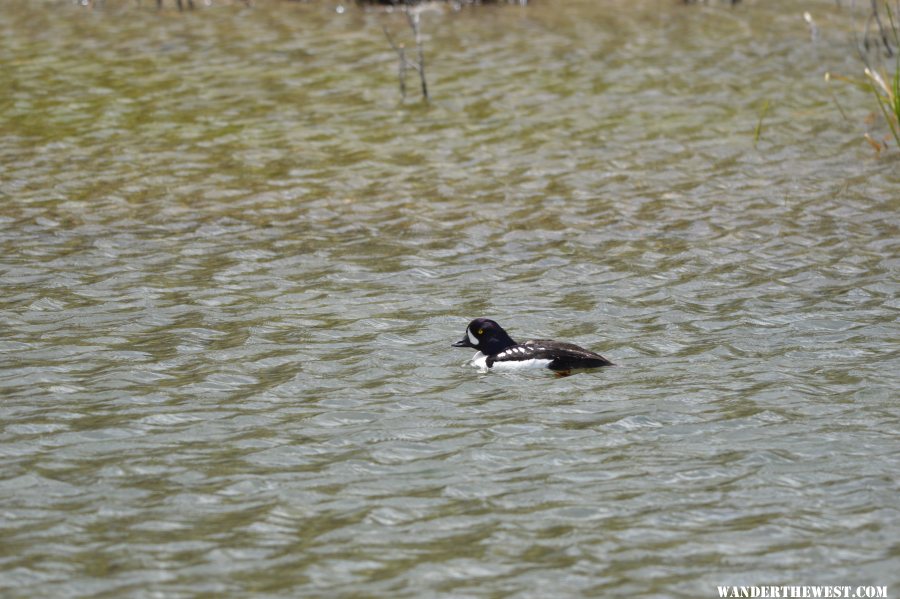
<point x="233" y="262"/>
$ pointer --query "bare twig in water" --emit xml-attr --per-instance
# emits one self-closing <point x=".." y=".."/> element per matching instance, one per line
<point x="401" y="62"/>
<point x="179" y="3"/>
<point x="828" y="78"/>
<point x="413" y="18"/>
<point x="882" y="32"/>
<point x="762" y="114"/>
<point x="875" y="145"/>
<point x="813" y="29"/>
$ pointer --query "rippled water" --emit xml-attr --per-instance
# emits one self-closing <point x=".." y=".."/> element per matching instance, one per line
<point x="233" y="262"/>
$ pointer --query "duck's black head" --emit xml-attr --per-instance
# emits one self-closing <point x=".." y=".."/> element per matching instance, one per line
<point x="486" y="336"/>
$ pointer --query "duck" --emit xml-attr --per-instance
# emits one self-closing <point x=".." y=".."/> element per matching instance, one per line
<point x="498" y="351"/>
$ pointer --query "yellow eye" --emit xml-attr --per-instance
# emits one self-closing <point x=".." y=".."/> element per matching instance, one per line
<point x="481" y="331"/>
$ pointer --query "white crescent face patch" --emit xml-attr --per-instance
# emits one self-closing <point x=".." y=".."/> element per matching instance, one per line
<point x="472" y="337"/>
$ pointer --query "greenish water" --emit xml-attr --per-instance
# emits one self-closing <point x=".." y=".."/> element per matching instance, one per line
<point x="233" y="263"/>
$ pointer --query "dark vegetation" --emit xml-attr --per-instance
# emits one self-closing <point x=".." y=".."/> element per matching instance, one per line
<point x="879" y="51"/>
<point x="882" y="60"/>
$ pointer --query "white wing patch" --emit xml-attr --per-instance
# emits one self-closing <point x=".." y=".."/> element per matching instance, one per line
<point x="502" y="361"/>
<point x="512" y="358"/>
<point x="515" y="358"/>
<point x="511" y="353"/>
<point x="520" y="364"/>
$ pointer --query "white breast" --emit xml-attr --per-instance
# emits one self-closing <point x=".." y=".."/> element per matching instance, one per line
<point x="479" y="360"/>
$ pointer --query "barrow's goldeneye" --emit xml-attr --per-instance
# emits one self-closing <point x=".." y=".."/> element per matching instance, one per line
<point x="498" y="351"/>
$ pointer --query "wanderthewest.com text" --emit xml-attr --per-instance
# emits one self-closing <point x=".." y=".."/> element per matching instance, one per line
<point x="802" y="592"/>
